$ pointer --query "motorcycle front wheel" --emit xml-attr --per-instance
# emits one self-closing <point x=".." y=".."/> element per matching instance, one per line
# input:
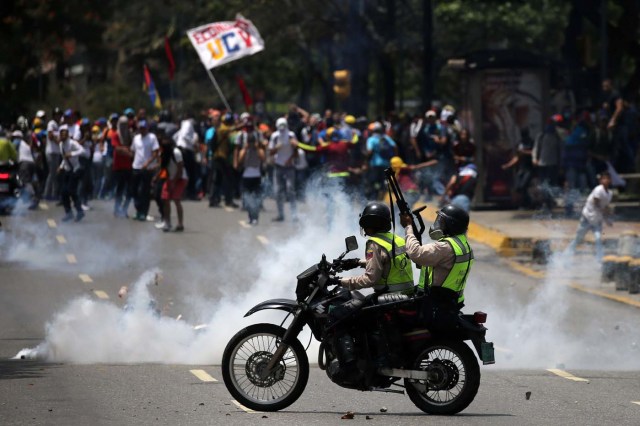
<point x="245" y="359"/>
<point x="454" y="378"/>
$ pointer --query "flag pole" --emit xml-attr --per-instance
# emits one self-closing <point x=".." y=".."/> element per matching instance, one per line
<point x="215" y="83"/>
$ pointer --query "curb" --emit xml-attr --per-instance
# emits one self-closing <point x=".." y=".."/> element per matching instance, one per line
<point x="502" y="244"/>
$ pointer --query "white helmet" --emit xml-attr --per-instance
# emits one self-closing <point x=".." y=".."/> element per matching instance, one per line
<point x="281" y="123"/>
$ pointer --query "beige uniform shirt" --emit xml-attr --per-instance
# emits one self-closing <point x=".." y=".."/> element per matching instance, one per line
<point x="377" y="264"/>
<point x="438" y="254"/>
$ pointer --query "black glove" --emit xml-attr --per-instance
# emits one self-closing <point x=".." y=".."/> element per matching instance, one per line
<point x="348" y="264"/>
<point x="333" y="281"/>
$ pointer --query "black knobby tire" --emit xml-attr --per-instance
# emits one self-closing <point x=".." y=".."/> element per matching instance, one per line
<point x="247" y="352"/>
<point x="461" y="382"/>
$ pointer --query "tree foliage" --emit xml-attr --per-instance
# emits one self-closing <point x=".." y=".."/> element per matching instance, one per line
<point x="90" y="55"/>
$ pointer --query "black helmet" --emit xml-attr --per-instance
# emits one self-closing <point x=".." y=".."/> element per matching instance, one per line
<point x="376" y="216"/>
<point x="451" y="220"/>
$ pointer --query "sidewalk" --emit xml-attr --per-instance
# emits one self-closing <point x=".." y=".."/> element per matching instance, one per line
<point x="514" y="234"/>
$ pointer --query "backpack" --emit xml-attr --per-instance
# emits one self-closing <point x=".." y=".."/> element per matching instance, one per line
<point x="385" y="148"/>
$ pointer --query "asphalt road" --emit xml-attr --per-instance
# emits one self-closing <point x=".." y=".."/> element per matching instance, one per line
<point x="105" y="359"/>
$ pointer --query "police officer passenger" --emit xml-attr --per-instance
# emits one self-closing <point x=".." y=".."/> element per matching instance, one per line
<point x="387" y="268"/>
<point x="445" y="263"/>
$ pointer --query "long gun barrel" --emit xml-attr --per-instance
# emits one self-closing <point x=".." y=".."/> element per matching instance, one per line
<point x="404" y="207"/>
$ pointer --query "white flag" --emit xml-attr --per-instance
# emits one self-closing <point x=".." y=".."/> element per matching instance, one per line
<point x="221" y="42"/>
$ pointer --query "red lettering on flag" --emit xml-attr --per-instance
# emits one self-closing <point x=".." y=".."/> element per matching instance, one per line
<point x="245" y="36"/>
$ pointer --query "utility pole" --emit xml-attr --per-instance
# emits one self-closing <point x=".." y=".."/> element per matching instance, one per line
<point x="427" y="52"/>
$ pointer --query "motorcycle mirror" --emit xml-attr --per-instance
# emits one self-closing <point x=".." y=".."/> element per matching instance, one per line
<point x="352" y="243"/>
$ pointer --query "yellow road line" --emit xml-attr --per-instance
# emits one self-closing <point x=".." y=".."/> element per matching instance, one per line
<point x="566" y="375"/>
<point x="262" y="239"/>
<point x="614" y="297"/>
<point x="71" y="258"/>
<point x="635" y="402"/>
<point x="202" y="375"/>
<point x="101" y="294"/>
<point x="61" y="239"/>
<point x="243" y="408"/>
<point x="44" y="206"/>
<point x="85" y="278"/>
<point x="579" y="287"/>
<point x="51" y="223"/>
<point x="244" y="224"/>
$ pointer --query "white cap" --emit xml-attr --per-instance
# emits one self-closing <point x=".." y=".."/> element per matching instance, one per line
<point x="63" y="127"/>
<point x="52" y="126"/>
<point x="430" y="113"/>
<point x="17" y="134"/>
<point x="40" y="114"/>
<point x="245" y="115"/>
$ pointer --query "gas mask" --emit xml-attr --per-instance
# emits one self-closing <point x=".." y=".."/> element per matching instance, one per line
<point x="436" y="231"/>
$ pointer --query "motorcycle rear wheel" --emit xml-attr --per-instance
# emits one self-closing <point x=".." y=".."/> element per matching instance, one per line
<point x="247" y="353"/>
<point x="455" y="382"/>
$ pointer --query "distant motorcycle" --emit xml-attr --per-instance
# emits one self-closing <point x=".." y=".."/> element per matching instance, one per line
<point x="9" y="188"/>
<point x="265" y="367"/>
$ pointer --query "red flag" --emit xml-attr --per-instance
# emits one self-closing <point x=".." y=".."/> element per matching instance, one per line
<point x="246" y="97"/>
<point x="172" y="62"/>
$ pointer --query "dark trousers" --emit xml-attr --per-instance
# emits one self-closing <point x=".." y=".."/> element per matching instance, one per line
<point x="193" y="172"/>
<point x="141" y="190"/>
<point x="252" y="193"/>
<point x="222" y="182"/>
<point x="69" y="189"/>
<point x="122" y="185"/>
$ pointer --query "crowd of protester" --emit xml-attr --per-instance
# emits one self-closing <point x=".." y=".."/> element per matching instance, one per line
<point x="225" y="158"/>
<point x="577" y="144"/>
<point x="236" y="160"/>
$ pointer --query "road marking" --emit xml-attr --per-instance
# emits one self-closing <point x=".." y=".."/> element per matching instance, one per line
<point x="566" y="375"/>
<point x="61" y="239"/>
<point x="244" y="224"/>
<point x="44" y="206"/>
<point x="51" y="223"/>
<point x="229" y="209"/>
<point x="203" y="375"/>
<point x="263" y="240"/>
<point x="85" y="278"/>
<point x="101" y="294"/>
<point x="71" y="258"/>
<point x="635" y="402"/>
<point x="243" y="408"/>
<point x="501" y="349"/>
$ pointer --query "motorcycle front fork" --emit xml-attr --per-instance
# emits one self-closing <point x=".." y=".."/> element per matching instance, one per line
<point x="289" y="336"/>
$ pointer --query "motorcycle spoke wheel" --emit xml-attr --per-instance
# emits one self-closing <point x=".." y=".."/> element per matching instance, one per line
<point x="453" y="378"/>
<point x="245" y="362"/>
<point x="449" y="376"/>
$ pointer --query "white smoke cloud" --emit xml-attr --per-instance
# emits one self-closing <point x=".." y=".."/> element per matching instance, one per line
<point x="95" y="331"/>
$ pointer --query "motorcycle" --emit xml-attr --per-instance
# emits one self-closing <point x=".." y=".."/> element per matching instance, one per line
<point x="9" y="188"/>
<point x="265" y="367"/>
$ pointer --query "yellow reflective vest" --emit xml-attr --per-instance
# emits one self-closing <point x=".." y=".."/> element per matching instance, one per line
<point x="400" y="276"/>
<point x="457" y="277"/>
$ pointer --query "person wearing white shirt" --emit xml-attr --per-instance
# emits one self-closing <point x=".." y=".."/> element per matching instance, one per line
<point x="145" y="149"/>
<point x="53" y="157"/>
<point x="283" y="146"/>
<point x="594" y="213"/>
<point x="187" y="140"/>
<point x="26" y="170"/>
<point x="70" y="174"/>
